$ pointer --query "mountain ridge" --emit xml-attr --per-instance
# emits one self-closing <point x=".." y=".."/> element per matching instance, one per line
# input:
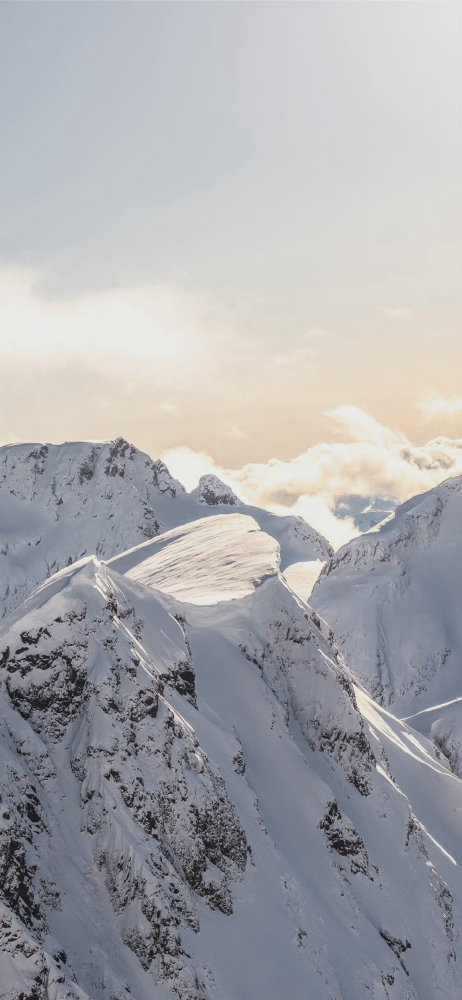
<point x="62" y="502"/>
<point x="392" y="598"/>
<point x="222" y="796"/>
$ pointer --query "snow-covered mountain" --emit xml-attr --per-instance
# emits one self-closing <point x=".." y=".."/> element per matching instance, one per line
<point x="197" y="801"/>
<point x="60" y="503"/>
<point x="393" y="599"/>
<point x="365" y="512"/>
<point x="213" y="492"/>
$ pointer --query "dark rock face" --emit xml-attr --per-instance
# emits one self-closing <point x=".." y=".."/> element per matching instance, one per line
<point x="153" y="819"/>
<point x="397" y="946"/>
<point x="52" y="678"/>
<point x="302" y="665"/>
<point x="345" y="840"/>
<point x="212" y="491"/>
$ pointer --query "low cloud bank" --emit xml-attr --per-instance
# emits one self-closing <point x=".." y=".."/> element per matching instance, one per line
<point x="369" y="459"/>
<point x="435" y="406"/>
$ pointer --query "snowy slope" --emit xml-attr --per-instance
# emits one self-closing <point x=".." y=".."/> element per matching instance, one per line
<point x="302" y="576"/>
<point x="59" y="503"/>
<point x="393" y="599"/>
<point x="193" y="804"/>
<point x="214" y="559"/>
<point x="442" y="724"/>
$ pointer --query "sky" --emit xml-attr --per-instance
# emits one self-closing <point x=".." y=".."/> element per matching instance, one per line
<point x="221" y="223"/>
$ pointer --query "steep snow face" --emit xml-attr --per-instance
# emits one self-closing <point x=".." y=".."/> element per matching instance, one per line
<point x="60" y="503"/>
<point x="442" y="724"/>
<point x="393" y="599"/>
<point x="194" y="805"/>
<point x="298" y="541"/>
<point x="302" y="577"/>
<point x="216" y="559"/>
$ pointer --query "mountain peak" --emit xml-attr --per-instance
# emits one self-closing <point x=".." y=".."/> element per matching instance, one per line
<point x="63" y="502"/>
<point x="29" y="470"/>
<point x="212" y="491"/>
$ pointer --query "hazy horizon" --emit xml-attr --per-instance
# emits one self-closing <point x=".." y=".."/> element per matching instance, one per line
<point x="365" y="460"/>
<point x="223" y="222"/>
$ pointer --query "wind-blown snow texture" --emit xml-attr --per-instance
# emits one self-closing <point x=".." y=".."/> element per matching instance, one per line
<point x="198" y="801"/>
<point x="60" y="503"/>
<point x="215" y="559"/>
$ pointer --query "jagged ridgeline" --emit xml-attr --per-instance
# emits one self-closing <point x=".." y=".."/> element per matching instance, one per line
<point x="198" y="799"/>
<point x="61" y="503"/>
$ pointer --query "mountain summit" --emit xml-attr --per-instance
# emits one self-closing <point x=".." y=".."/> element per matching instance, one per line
<point x="61" y="503"/>
<point x="212" y="491"/>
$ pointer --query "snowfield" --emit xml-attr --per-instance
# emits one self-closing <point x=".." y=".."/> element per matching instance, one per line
<point x="200" y="797"/>
<point x="216" y="559"/>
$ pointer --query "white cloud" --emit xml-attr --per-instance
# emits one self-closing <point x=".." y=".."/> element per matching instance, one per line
<point x="188" y="466"/>
<point x="371" y="460"/>
<point x="436" y="406"/>
<point x="357" y="425"/>
<point x="168" y="330"/>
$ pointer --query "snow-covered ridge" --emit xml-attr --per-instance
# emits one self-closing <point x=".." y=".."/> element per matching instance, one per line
<point x="197" y="802"/>
<point x="215" y="559"/>
<point x="59" y="503"/>
<point x="393" y="598"/>
<point x="29" y="470"/>
<point x="62" y="502"/>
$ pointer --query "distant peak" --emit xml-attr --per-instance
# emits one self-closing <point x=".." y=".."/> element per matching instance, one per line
<point x="39" y="467"/>
<point x="212" y="491"/>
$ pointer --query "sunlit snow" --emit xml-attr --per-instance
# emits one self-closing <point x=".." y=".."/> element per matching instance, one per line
<point x="216" y="559"/>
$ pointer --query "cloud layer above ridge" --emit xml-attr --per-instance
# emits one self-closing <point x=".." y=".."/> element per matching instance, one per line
<point x="368" y="460"/>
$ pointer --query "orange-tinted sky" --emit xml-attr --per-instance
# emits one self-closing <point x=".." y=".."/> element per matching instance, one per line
<point x="221" y="221"/>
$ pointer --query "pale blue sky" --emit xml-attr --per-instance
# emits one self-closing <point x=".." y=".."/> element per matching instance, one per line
<point x="285" y="176"/>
